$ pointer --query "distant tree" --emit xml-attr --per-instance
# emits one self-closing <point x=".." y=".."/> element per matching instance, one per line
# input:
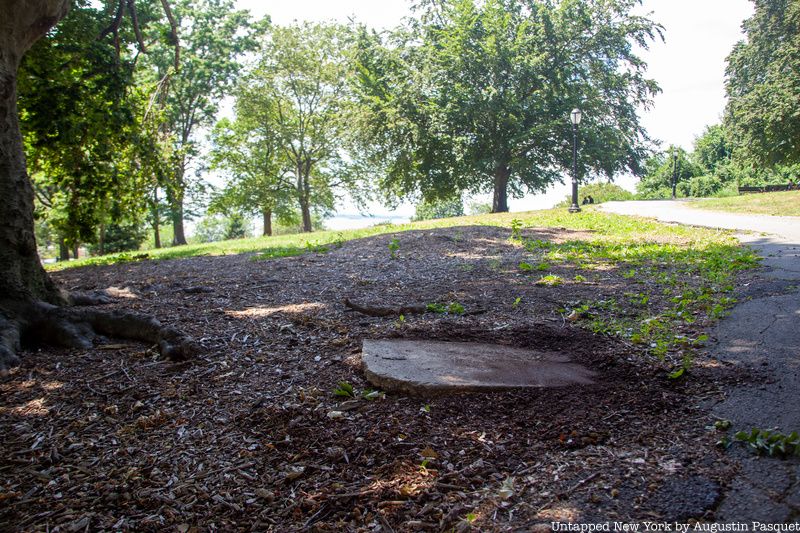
<point x="478" y="208"/>
<point x="712" y="148"/>
<point x="600" y="192"/>
<point x="657" y="179"/>
<point x="763" y="85"/>
<point x="120" y="233"/>
<point x="476" y="96"/>
<point x="211" y="228"/>
<point x="298" y="93"/>
<point x="237" y="227"/>
<point x="247" y="153"/>
<point x="212" y="36"/>
<point x="453" y="207"/>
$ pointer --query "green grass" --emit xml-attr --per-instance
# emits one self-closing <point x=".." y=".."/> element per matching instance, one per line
<point x="768" y="203"/>
<point x="630" y="234"/>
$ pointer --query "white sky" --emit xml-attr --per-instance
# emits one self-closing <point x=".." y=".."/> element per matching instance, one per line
<point x="689" y="66"/>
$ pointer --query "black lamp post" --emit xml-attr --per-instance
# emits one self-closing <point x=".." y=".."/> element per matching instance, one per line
<point x="575" y="118"/>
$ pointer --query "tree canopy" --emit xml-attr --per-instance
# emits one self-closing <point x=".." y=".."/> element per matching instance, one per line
<point x="763" y="85"/>
<point x="476" y="96"/>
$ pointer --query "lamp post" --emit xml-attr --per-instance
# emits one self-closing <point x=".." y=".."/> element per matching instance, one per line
<point x="575" y="118"/>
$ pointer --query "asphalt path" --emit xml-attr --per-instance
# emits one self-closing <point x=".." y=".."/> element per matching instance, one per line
<point x="761" y="335"/>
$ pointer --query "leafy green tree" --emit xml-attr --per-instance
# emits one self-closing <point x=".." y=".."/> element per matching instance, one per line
<point x="246" y="151"/>
<point x="657" y="179"/>
<point x="237" y="227"/>
<point x="212" y="37"/>
<point x="78" y="115"/>
<point x="763" y="85"/>
<point x="453" y="207"/>
<point x="712" y="149"/>
<point x="211" y="228"/>
<point x="298" y="93"/>
<point x="476" y="96"/>
<point x="120" y="233"/>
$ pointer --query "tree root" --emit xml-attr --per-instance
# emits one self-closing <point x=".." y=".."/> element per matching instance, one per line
<point x="42" y="323"/>
<point x="375" y="310"/>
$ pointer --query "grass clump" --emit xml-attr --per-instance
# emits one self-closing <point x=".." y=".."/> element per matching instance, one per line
<point x="786" y="203"/>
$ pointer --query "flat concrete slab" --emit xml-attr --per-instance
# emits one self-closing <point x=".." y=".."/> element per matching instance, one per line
<point x="434" y="367"/>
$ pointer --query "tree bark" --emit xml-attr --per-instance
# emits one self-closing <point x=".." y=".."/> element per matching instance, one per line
<point x="101" y="241"/>
<point x="76" y="249"/>
<point x="63" y="249"/>
<point x="305" y="210"/>
<point x="176" y="215"/>
<point x="156" y="220"/>
<point x="500" y="200"/>
<point x="22" y="276"/>
<point x="267" y="213"/>
<point x="179" y="237"/>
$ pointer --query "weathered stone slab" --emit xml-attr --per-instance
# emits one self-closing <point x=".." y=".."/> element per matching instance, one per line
<point x="436" y="367"/>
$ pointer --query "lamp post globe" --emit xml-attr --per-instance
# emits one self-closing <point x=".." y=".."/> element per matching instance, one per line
<point x="575" y="118"/>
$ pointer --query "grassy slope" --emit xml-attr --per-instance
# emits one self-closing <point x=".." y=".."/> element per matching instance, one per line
<point x="613" y="227"/>
<point x="770" y="203"/>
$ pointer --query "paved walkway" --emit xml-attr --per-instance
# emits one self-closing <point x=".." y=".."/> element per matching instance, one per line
<point x="763" y="334"/>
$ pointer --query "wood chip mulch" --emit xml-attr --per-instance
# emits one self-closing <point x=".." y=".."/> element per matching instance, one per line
<point x="248" y="436"/>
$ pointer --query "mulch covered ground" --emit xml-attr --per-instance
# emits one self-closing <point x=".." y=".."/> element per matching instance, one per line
<point x="248" y="436"/>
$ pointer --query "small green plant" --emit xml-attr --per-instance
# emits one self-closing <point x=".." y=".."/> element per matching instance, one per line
<point x="425" y="408"/>
<point x="516" y="229"/>
<point x="436" y="307"/>
<point x="455" y="308"/>
<point x="401" y="321"/>
<point x="344" y="389"/>
<point x="551" y="280"/>
<point x="722" y="425"/>
<point x="579" y="278"/>
<point x="772" y="443"/>
<point x="394" y="246"/>
<point x="371" y="394"/>
<point x="543" y="266"/>
<point x="525" y="267"/>
<point x="516" y="303"/>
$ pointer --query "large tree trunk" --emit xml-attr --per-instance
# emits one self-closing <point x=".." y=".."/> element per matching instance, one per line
<point x="175" y="199"/>
<point x="304" y="196"/>
<point x="26" y="291"/>
<point x="156" y="221"/>
<point x="178" y="236"/>
<point x="305" y="211"/>
<point x="500" y="200"/>
<point x="267" y="223"/>
<point x="22" y="276"/>
<point x="63" y="249"/>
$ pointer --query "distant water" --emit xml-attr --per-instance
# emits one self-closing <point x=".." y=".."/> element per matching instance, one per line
<point x="356" y="221"/>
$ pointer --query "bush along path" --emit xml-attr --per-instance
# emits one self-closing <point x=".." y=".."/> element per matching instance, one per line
<point x="761" y="338"/>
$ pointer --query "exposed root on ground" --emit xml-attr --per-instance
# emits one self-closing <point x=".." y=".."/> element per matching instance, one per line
<point x="41" y="323"/>
<point x="376" y="310"/>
